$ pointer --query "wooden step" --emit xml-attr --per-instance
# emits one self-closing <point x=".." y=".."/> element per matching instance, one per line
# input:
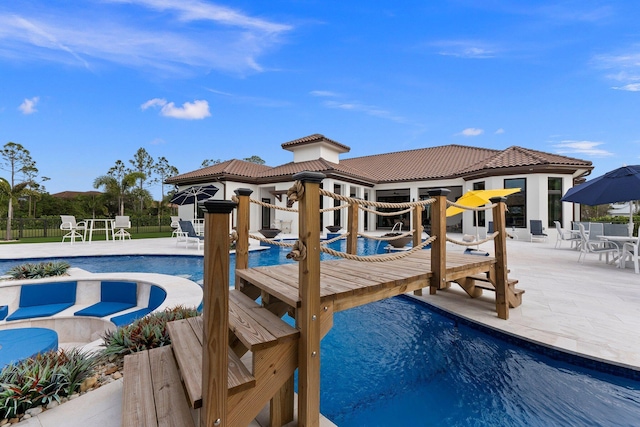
<point x="152" y="393"/>
<point x="474" y="284"/>
<point x="186" y="341"/>
<point x="256" y="327"/>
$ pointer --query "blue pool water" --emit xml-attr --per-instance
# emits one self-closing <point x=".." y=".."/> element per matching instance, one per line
<point x="398" y="363"/>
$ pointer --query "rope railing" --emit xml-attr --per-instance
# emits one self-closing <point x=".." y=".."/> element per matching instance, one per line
<point x="378" y="258"/>
<point x="386" y="238"/>
<point x="334" y="208"/>
<point x="394" y="213"/>
<point x="474" y="243"/>
<point x="271" y="241"/>
<point x="363" y="202"/>
<point x="335" y="239"/>
<point x="265" y="204"/>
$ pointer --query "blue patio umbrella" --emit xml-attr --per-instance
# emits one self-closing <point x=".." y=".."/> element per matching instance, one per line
<point x="618" y="185"/>
<point x="193" y="195"/>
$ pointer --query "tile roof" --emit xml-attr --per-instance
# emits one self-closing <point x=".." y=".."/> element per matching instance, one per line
<point x="229" y="168"/>
<point x="442" y="162"/>
<point x="316" y="137"/>
<point x="74" y="194"/>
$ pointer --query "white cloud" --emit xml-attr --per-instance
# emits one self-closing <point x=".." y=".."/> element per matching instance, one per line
<point x="499" y="131"/>
<point x="155" y="102"/>
<point x="323" y="93"/>
<point x="581" y="147"/>
<point x="466" y="49"/>
<point x="177" y="37"/>
<point x="28" y="106"/>
<point x="196" y="110"/>
<point x="370" y="110"/>
<point x="471" y="132"/>
<point x="631" y="87"/>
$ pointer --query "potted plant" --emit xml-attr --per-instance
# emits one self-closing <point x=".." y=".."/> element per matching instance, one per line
<point x="333" y="228"/>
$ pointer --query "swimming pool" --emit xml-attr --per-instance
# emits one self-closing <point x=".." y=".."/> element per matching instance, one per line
<point x="418" y="368"/>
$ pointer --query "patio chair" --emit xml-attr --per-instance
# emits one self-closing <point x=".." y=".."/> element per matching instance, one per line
<point x="72" y="227"/>
<point x="190" y="235"/>
<point x="630" y="252"/>
<point x="122" y="224"/>
<point x="594" y="246"/>
<point x="536" y="230"/>
<point x="566" y="236"/>
<point x="175" y="224"/>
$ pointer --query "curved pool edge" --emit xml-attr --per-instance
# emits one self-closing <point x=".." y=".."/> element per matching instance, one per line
<point x="559" y="353"/>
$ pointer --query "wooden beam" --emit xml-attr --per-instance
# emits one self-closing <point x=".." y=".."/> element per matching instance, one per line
<point x="352" y="229"/>
<point x="417" y="234"/>
<point x="242" y="228"/>
<point x="308" y="316"/>
<point x="215" y="314"/>
<point x="500" y="245"/>
<point x="439" y="246"/>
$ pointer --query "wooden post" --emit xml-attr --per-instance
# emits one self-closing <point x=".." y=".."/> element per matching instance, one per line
<point x="417" y="234"/>
<point x="439" y="246"/>
<point x="352" y="229"/>
<point x="215" y="313"/>
<point x="242" y="228"/>
<point x="308" y="316"/>
<point x="500" y="246"/>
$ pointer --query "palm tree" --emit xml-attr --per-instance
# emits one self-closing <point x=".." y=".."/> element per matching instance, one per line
<point x="118" y="188"/>
<point x="12" y="194"/>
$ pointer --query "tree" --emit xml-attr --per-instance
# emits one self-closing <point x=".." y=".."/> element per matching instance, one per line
<point x="16" y="160"/>
<point x="210" y="162"/>
<point x="142" y="162"/>
<point x="118" y="183"/>
<point x="164" y="170"/>
<point x="254" y="159"/>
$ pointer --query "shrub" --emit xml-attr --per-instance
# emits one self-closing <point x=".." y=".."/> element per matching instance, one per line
<point x="143" y="334"/>
<point x="42" y="379"/>
<point x="39" y="270"/>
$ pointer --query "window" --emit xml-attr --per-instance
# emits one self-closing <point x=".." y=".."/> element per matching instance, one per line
<point x="392" y="196"/>
<point x="554" y="195"/>
<point x="336" y="202"/>
<point x="266" y="213"/>
<point x="516" y="215"/>
<point x="480" y="214"/>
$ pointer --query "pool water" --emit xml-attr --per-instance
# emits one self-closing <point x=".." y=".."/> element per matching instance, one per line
<point x="398" y="363"/>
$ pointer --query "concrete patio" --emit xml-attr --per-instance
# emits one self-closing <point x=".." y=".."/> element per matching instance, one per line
<point x="591" y="308"/>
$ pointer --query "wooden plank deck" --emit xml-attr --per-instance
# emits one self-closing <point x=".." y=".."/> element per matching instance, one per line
<point x="347" y="283"/>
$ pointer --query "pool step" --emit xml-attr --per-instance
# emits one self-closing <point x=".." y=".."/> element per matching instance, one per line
<point x="274" y="357"/>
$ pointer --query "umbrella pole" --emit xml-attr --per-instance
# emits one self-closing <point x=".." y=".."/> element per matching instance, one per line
<point x="477" y="232"/>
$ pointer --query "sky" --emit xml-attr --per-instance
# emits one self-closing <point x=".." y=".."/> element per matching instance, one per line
<point x="86" y="83"/>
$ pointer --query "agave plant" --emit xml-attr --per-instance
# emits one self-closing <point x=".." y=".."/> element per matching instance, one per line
<point x="145" y="333"/>
<point x="39" y="270"/>
<point x="42" y="379"/>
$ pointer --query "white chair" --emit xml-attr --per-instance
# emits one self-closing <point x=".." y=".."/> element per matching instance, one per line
<point x="122" y="224"/>
<point x="72" y="227"/>
<point x="566" y="236"/>
<point x="190" y="235"/>
<point x="596" y="246"/>
<point x="175" y="224"/>
<point x="630" y="251"/>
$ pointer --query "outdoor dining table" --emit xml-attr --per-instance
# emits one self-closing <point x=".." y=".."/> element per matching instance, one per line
<point x="619" y="241"/>
<point x="98" y="224"/>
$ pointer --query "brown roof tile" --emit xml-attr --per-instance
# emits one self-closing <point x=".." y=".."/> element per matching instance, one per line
<point x="234" y="167"/>
<point x="320" y="165"/>
<point x="316" y="137"/>
<point x="420" y="164"/>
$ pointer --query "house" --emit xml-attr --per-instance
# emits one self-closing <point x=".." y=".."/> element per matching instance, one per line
<point x="401" y="177"/>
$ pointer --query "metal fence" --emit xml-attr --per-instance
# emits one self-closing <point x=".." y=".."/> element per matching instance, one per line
<point x="24" y="228"/>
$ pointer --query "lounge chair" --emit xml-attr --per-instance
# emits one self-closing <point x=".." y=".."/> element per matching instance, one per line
<point x="566" y="236"/>
<point x="190" y="235"/>
<point x="631" y="251"/>
<point x="73" y="228"/>
<point x="536" y="230"/>
<point x="122" y="224"/>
